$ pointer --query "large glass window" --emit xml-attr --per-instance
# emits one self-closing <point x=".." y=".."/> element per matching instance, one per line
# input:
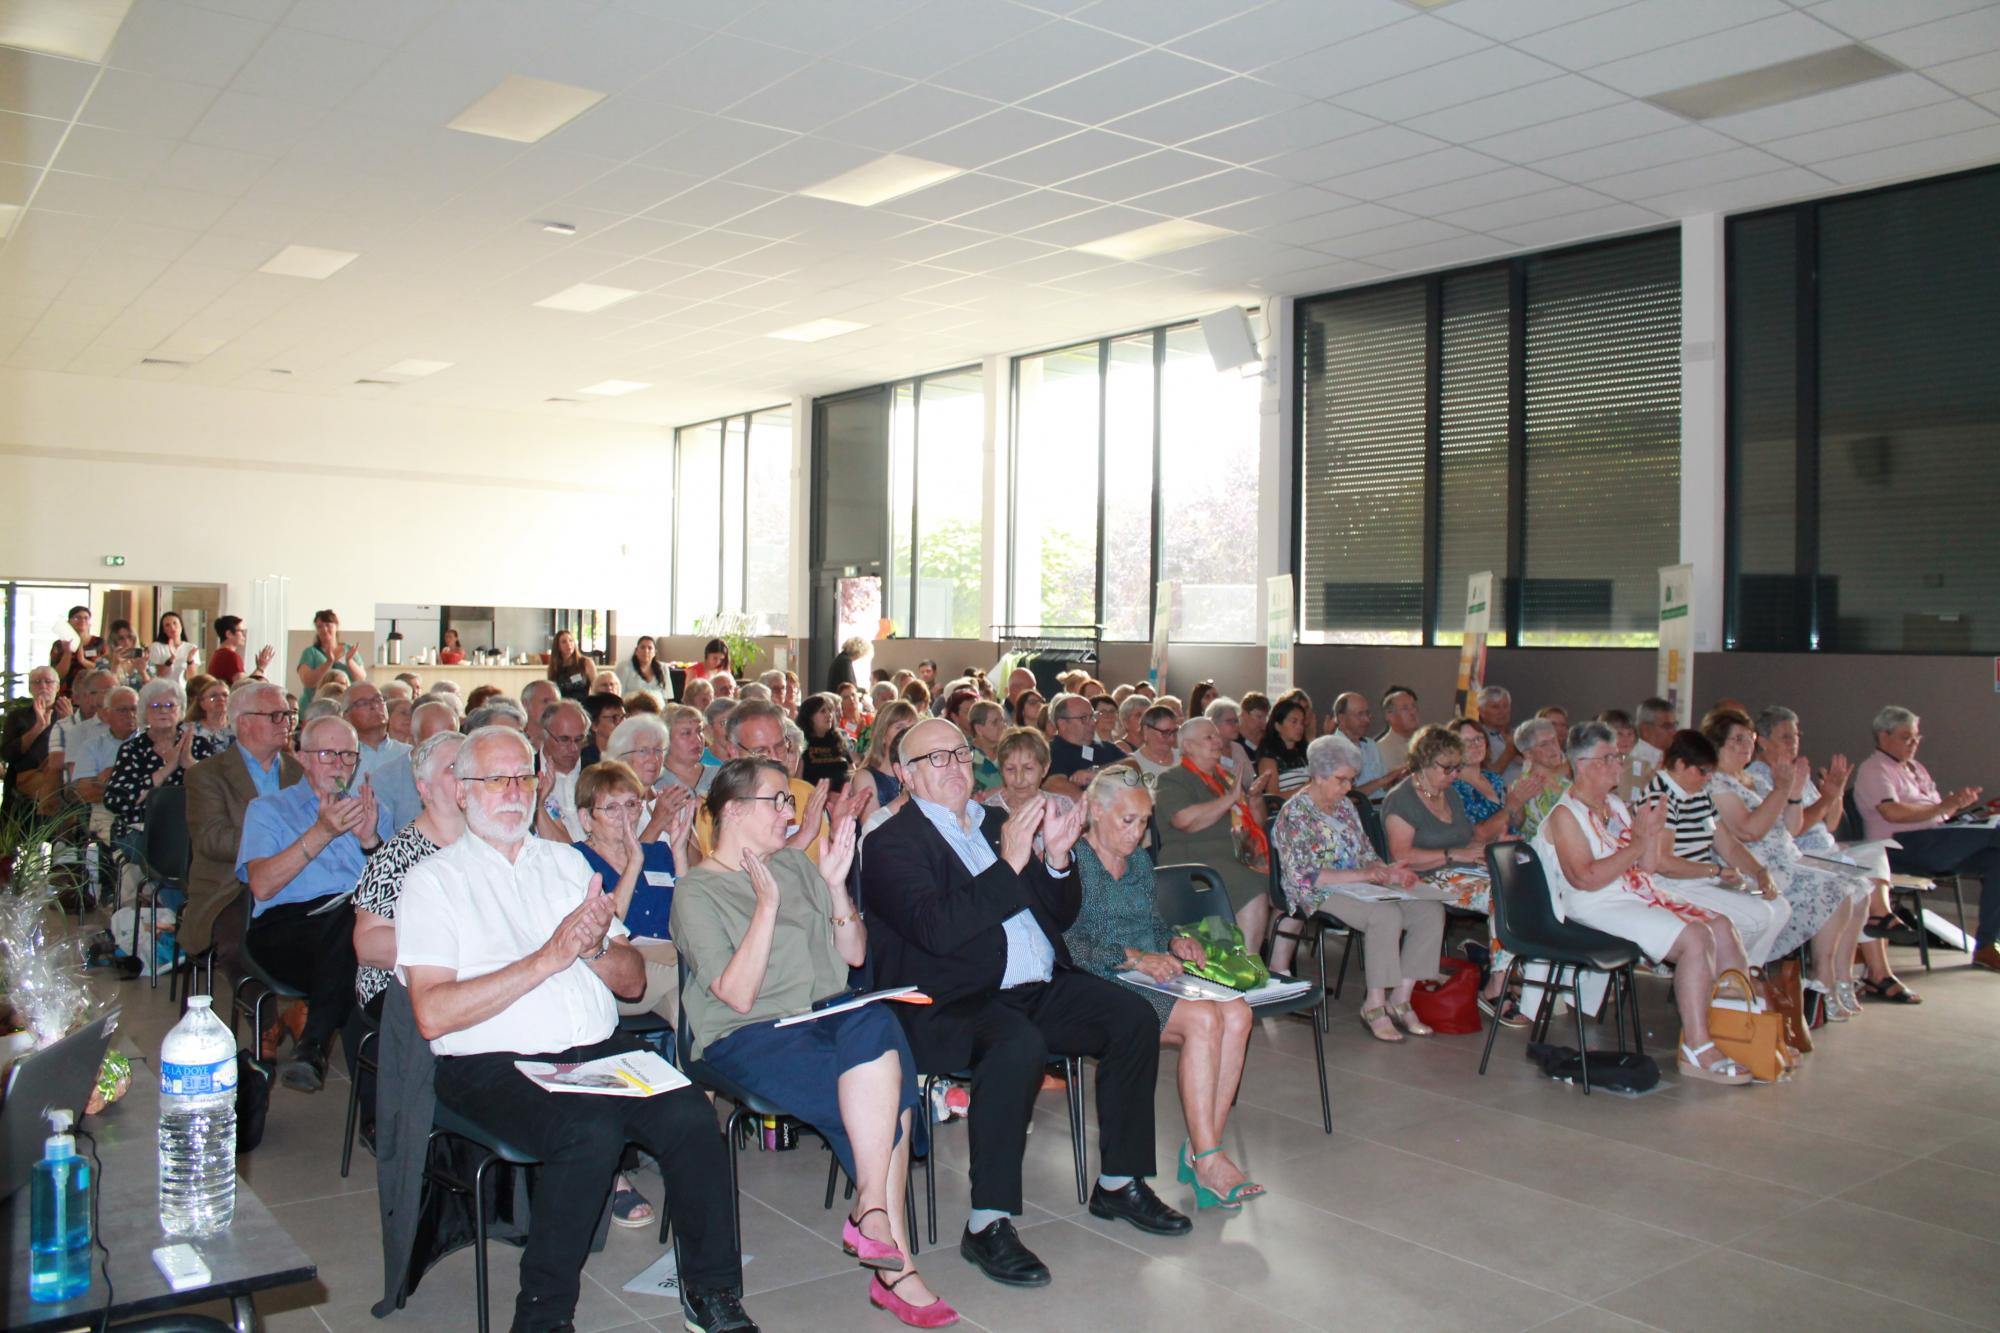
<point x="1106" y="436"/>
<point x="937" y="505"/>
<point x="1864" y="441"/>
<point x="1522" y="418"/>
<point x="733" y="520"/>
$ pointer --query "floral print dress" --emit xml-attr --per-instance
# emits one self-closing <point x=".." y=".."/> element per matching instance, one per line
<point x="1814" y="891"/>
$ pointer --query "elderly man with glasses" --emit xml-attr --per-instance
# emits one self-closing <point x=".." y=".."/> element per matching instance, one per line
<point x="385" y="761"/>
<point x="961" y="906"/>
<point x="563" y="729"/>
<point x="219" y="792"/>
<point x="303" y="850"/>
<point x="1159" y="742"/>
<point x="1075" y="754"/>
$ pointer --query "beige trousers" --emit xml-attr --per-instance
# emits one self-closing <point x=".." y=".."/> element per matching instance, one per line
<point x="1402" y="939"/>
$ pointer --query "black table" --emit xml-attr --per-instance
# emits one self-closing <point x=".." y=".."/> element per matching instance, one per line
<point x="253" y="1254"/>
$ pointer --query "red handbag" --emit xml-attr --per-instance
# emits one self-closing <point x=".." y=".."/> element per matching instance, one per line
<point x="1452" y="1004"/>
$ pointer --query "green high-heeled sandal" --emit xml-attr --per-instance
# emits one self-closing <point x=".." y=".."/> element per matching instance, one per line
<point x="1205" y="1198"/>
<point x="1183" y="1168"/>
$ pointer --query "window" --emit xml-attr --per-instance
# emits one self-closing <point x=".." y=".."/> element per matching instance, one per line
<point x="937" y="502"/>
<point x="1522" y="418"/>
<point x="1136" y="462"/>
<point x="733" y="520"/>
<point x="1864" y="425"/>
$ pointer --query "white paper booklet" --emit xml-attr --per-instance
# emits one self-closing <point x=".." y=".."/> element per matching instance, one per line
<point x="632" y="1074"/>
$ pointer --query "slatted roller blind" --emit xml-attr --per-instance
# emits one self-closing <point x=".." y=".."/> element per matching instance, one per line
<point x="1472" y="484"/>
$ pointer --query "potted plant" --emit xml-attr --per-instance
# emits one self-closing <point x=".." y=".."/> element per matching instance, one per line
<point x="734" y="631"/>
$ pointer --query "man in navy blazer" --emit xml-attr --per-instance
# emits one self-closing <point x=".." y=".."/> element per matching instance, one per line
<point x="960" y="905"/>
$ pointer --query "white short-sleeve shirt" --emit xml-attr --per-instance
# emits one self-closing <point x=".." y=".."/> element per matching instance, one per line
<point x="471" y="910"/>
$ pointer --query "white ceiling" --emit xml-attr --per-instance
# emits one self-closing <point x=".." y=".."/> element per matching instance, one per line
<point x="1337" y="140"/>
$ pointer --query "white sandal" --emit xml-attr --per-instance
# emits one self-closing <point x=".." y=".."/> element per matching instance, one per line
<point x="1722" y="1071"/>
<point x="1829" y="1001"/>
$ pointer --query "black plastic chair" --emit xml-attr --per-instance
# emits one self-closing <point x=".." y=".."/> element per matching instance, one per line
<point x="262" y="987"/>
<point x="364" y="1060"/>
<point x="1186" y="893"/>
<point x="1316" y="927"/>
<point x="1524" y="917"/>
<point x="1371" y="823"/>
<point x="167" y="855"/>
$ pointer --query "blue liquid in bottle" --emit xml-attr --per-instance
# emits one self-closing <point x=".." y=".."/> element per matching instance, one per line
<point x="59" y="1226"/>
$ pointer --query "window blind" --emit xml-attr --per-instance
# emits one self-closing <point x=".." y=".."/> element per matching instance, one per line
<point x="1362" y="484"/>
<point x="1769" y="611"/>
<point x="1603" y="442"/>
<point x="1472" y="479"/>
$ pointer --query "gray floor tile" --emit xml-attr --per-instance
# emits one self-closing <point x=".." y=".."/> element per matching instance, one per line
<point x="1948" y="1272"/>
<point x="1725" y="1290"/>
<point x="1950" y="1195"/>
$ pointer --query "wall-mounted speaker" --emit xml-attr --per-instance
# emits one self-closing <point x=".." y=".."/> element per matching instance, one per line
<point x="1230" y="343"/>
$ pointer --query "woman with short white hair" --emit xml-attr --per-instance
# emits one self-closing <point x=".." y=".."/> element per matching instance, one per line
<point x="159" y="756"/>
<point x="640" y="743"/>
<point x="1544" y="777"/>
<point x="25" y="748"/>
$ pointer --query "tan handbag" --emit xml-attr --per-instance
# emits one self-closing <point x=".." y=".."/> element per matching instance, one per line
<point x="1747" y="1030"/>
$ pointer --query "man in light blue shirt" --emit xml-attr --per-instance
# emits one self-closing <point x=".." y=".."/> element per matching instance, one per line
<point x="385" y="762"/>
<point x="1352" y="718"/>
<point x="302" y="852"/>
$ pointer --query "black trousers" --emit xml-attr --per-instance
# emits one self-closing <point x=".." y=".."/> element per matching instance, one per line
<point x="1958" y="851"/>
<point x="1016" y="1032"/>
<point x="313" y="953"/>
<point x="580" y="1139"/>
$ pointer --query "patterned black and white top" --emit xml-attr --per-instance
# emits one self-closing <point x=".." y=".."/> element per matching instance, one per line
<point x="1691" y="817"/>
<point x="131" y="779"/>
<point x="380" y="885"/>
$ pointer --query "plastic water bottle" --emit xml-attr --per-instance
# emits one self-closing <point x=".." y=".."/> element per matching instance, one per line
<point x="197" y="1124"/>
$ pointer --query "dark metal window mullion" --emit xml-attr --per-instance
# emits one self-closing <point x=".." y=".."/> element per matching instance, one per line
<point x="1517" y="446"/>
<point x="1433" y="449"/>
<point x="1806" y="466"/>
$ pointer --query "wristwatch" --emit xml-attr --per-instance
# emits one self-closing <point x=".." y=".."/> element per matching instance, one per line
<point x="602" y="949"/>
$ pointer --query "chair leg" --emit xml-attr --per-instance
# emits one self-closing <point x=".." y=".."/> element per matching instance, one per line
<point x="1923" y="932"/>
<point x="1493" y="1028"/>
<point x="353" y="1116"/>
<point x="1319" y="957"/>
<point x="1079" y="1147"/>
<point x="479" y="1237"/>
<point x="1346" y="957"/>
<point x="736" y="1118"/>
<point x="1319" y="1064"/>
<point x="1576" y="1010"/>
<point x="257" y="1023"/>
<point x="832" y="1178"/>
<point x="930" y="1157"/>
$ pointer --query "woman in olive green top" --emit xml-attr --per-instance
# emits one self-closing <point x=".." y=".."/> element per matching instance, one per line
<point x="764" y="933"/>
<point x="1195" y="806"/>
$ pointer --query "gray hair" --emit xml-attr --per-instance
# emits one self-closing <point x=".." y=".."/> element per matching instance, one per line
<point x="395" y="689"/>
<point x="1100" y="794"/>
<point x="1652" y="712"/>
<point x="48" y="671"/>
<point x="1331" y="753"/>
<point x="322" y="721"/>
<point x="467" y="763"/>
<point x="1773" y="717"/>
<point x="417" y="714"/>
<point x="1893" y="718"/>
<point x="795" y="737"/>
<point x="117" y="692"/>
<point x="1134" y="703"/>
<point x="431" y="756"/>
<point x="151" y="690"/>
<point x="97" y="673"/>
<point x="1065" y="697"/>
<point x="882" y="692"/>
<point x="1221" y="708"/>
<point x="320" y="708"/>
<point x="772" y="680"/>
<point x="627" y="735"/>
<point x="1586" y="738"/>
<point x="1196" y="727"/>
<point x="753" y="691"/>
<point x="1493" y="693"/>
<point x="555" y="709"/>
<point x="1532" y="733"/>
<point x="486" y="714"/>
<point x="244" y="699"/>
<point x="535" y="687"/>
<point x="749" y="710"/>
<point x="718" y="710"/>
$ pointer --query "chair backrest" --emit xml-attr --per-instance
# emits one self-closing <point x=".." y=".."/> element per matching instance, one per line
<point x="1184" y="894"/>
<point x="1523" y="914"/>
<point x="683" y="1030"/>
<point x="1850" y="818"/>
<point x="1371" y="823"/>
<point x="168" y="848"/>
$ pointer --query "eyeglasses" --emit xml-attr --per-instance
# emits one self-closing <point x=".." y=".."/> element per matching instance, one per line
<point x="1165" y="731"/>
<point x="501" y="782"/>
<point x="277" y="717"/>
<point x="164" y="706"/>
<point x="1076" y="717"/>
<point x="1124" y="777"/>
<point x="339" y="758"/>
<point x="555" y="739"/>
<point x="783" y="800"/>
<point x="618" y="807"/>
<point x="650" y="751"/>
<point x="943" y="758"/>
<point x="1449" y="769"/>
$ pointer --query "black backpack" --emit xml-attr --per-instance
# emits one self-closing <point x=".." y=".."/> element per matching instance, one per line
<point x="1612" y="1071"/>
<point x="253" y="1100"/>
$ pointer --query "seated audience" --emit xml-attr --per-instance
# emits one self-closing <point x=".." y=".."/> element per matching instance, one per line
<point x="697" y="694"/>
<point x="1620" y="723"/>
<point x="988" y="724"/>
<point x="95" y="758"/>
<point x="1399" y="714"/>
<point x="481" y="696"/>
<point x="159" y="756"/>
<point x="326" y="659"/>
<point x="385" y="761"/>
<point x="1897" y="798"/>
<point x="960" y="905"/>
<point x="498" y="895"/>
<point x="715" y="730"/>
<point x="639" y="876"/>
<point x="606" y="711"/>
<point x="1075" y="754"/>
<point x="24" y="745"/>
<point x="1599" y="860"/>
<point x="1023" y="756"/>
<point x="302" y="852"/>
<point x="1657" y="721"/>
<point x="723" y="683"/>
<point x="1352" y="719"/>
<point x="1424" y="819"/>
<point x="1709" y="867"/>
<point x="78" y="746"/>
<point x="536" y="697"/>
<point x="826" y="757"/>
<point x="564" y="727"/>
<point x="1828" y="907"/>
<point x="1131" y="721"/>
<point x="381" y="882"/>
<point x="498" y="711"/>
<point x="1495" y="707"/>
<point x="1254" y="716"/>
<point x="1281" y="755"/>
<point x="1019" y="681"/>
<point x="644" y="673"/>
<point x="1227" y="715"/>
<point x="1118" y="929"/>
<point x="1028" y="710"/>
<point x="219" y="792"/>
<point x="1544" y="774"/>
<point x="1488" y="801"/>
<point x="640" y="743"/>
<point x="1104" y="711"/>
<point x="1327" y="864"/>
<point x="1159" y="741"/>
<point x="879" y="759"/>
<point x="1206" y="817"/>
<point x="765" y="933"/>
<point x="401" y="707"/>
<point x="430" y="717"/>
<point x="683" y="766"/>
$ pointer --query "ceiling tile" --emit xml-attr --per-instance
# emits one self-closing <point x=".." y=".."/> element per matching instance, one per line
<point x="1868" y="19"/>
<point x="813" y="25"/>
<point x="1527" y="208"/>
<point x="898" y="121"/>
<point x="800" y="163"/>
<point x="628" y="189"/>
<point x="1842" y="106"/>
<point x="1902" y="127"/>
<point x="716" y="144"/>
<point x="1120" y="89"/>
<point x="213" y="170"/>
<point x="1356" y="152"/>
<point x="960" y="194"/>
<point x="382" y="22"/>
<point x="1002" y="133"/>
<point x="1397" y="236"/>
<point x="1759" y="191"/>
<point x="252" y="124"/>
<point x="1285" y="132"/>
<point x="1688" y="174"/>
<point x="1644" y="26"/>
<point x="1036" y="60"/>
<point x="1244" y="43"/>
<point x="497" y="35"/>
<point x="1946" y="39"/>
<point x="1233" y="185"/>
<point x="1974" y="74"/>
<point x="1651" y="150"/>
<point x="1579" y="226"/>
<point x="1505" y="20"/>
<point x="939" y="34"/>
<point x="815" y="95"/>
<point x="1092" y="226"/>
<point x="1323" y="229"/>
<point x="1481" y="74"/>
<point x="1440" y="254"/>
<point x="40" y="85"/>
<point x="307" y="67"/>
<point x="1205" y="111"/>
<point x="1024" y="211"/>
<point x="1612" y="124"/>
<point x="123" y="100"/>
<point x="1282" y="206"/>
<point x="722" y="70"/>
<point x="1412" y="173"/>
<point x="181" y="41"/>
<point x="1141" y="175"/>
<point x="1160" y="21"/>
<point x="1968" y="148"/>
<point x="1752" y="46"/>
<point x="1415" y="43"/>
<point x="712" y="204"/>
<point x="1467" y="190"/>
<point x="1537" y="104"/>
<point x="1086" y="150"/>
<point x="29" y="140"/>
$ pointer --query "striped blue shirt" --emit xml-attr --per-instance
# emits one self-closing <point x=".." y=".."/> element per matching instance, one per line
<point x="1030" y="956"/>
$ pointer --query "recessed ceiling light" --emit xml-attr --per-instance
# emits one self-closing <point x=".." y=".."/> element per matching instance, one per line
<point x="586" y="297"/>
<point x="883" y="179"/>
<point x="613" y="388"/>
<point x="570" y="401"/>
<point x="816" y="330"/>
<point x="163" y="361"/>
<point x="308" y="261"/>
<point x="378" y="384"/>
<point x="524" y="110"/>
<point x="416" y="369"/>
<point x="1786" y="81"/>
<point x="1158" y="239"/>
<point x="560" y="228"/>
<point x="77" y="29"/>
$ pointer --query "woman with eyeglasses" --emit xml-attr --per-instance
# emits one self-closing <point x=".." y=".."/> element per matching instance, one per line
<point x="208" y="707"/>
<point x="640" y="743"/>
<point x="158" y="756"/>
<point x="763" y="933"/>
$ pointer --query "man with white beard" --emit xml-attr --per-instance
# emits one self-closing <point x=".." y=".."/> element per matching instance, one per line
<point x="510" y="948"/>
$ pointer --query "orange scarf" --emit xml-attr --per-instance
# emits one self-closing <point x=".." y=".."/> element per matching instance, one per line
<point x="1255" y="840"/>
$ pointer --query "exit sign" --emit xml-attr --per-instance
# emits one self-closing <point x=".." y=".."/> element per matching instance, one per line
<point x="114" y="560"/>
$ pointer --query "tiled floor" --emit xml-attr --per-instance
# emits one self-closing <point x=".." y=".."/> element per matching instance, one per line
<point x="1864" y="1194"/>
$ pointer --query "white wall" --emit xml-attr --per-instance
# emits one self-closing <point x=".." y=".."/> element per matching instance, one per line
<point x="358" y="502"/>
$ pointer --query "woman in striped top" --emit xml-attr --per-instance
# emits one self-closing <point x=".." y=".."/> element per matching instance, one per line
<point x="1707" y="865"/>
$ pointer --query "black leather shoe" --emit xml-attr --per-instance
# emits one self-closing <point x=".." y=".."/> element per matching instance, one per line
<point x="306" y="1070"/>
<point x="718" y="1310"/>
<point x="1137" y="1204"/>
<point x="1000" y="1255"/>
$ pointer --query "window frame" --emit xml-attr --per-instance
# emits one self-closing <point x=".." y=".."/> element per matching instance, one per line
<point x="1156" y="559"/>
<point x="740" y="421"/>
<point x="1432" y="283"/>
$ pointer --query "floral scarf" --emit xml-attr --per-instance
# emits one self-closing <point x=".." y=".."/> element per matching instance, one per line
<point x="1638" y="882"/>
<point x="1253" y="845"/>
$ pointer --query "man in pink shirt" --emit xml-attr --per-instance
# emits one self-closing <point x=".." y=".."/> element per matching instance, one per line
<point x="1897" y="799"/>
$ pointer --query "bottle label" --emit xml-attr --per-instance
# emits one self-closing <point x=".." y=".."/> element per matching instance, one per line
<point x="197" y="1080"/>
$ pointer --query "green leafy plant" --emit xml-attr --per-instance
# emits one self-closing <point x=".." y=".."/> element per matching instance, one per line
<point x="734" y="631"/>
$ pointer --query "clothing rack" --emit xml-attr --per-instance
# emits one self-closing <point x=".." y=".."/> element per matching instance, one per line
<point x="1018" y="639"/>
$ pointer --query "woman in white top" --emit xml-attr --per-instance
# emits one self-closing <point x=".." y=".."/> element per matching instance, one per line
<point x="1599" y="859"/>
<point x="168" y="656"/>
<point x="642" y="673"/>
